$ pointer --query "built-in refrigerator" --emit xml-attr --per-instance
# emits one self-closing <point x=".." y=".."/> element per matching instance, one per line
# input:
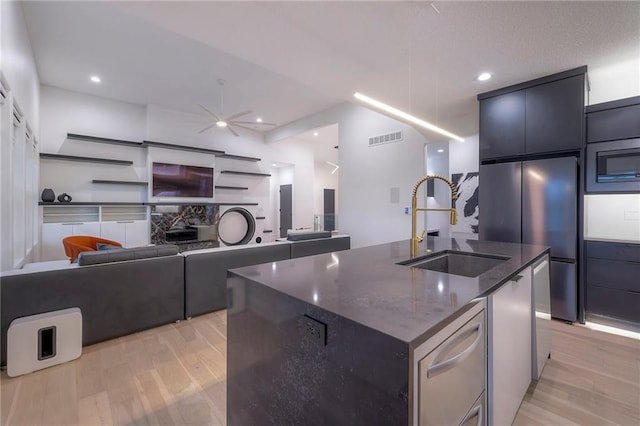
<point x="536" y="202"/>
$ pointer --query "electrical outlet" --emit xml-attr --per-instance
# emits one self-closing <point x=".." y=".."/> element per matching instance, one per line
<point x="631" y="215"/>
<point x="315" y="330"/>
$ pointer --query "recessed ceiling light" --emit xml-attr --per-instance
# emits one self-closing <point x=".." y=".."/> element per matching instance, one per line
<point x="441" y="150"/>
<point x="404" y="116"/>
<point x="484" y="76"/>
<point x="274" y="165"/>
<point x="259" y="120"/>
<point x="315" y="133"/>
<point x="221" y="123"/>
<point x="95" y="79"/>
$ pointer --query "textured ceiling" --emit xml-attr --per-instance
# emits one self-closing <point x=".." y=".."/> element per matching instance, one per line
<point x="287" y="60"/>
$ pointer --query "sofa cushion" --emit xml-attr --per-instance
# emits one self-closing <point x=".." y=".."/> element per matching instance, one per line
<point x="121" y="254"/>
<point x="103" y="246"/>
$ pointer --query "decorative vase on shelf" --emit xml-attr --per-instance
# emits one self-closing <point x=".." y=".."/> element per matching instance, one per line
<point x="48" y="195"/>
<point x="64" y="198"/>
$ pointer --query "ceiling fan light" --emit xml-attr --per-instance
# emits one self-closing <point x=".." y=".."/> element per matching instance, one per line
<point x="221" y="123"/>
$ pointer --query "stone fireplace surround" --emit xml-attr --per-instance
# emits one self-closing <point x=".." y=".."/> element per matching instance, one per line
<point x="190" y="227"/>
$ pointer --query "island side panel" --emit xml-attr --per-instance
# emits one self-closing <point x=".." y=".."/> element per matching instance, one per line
<point x="280" y="372"/>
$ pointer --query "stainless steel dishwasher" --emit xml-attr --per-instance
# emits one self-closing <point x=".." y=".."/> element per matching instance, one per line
<point x="452" y="378"/>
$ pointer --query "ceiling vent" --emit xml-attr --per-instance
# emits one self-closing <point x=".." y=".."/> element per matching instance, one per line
<point x="388" y="138"/>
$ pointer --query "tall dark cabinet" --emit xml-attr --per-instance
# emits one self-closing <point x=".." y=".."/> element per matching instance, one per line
<point x="531" y="145"/>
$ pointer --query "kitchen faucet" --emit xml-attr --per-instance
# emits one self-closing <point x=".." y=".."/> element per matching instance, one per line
<point x="417" y="239"/>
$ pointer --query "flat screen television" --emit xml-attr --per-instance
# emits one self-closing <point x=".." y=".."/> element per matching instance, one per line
<point x="179" y="180"/>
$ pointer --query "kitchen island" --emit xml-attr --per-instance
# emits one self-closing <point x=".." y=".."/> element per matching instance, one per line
<point x="332" y="339"/>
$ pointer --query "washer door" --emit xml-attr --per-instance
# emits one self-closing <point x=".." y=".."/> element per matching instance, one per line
<point x="236" y="226"/>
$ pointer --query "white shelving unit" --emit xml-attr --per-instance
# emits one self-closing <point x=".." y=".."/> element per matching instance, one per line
<point x="127" y="224"/>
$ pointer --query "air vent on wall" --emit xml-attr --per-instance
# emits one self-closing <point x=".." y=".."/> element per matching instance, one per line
<point x="388" y="138"/>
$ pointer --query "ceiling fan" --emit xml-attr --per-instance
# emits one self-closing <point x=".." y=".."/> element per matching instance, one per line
<point x="230" y="122"/>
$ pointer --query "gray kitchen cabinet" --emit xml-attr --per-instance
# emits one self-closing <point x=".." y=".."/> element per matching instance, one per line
<point x="613" y="287"/>
<point x="502" y="125"/>
<point x="614" y="120"/>
<point x="555" y="116"/>
<point x="540" y="116"/>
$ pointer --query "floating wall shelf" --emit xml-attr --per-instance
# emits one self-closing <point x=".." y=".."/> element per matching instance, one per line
<point x="239" y="188"/>
<point x="240" y="157"/>
<point x="97" y="139"/>
<point x="197" y="203"/>
<point x="120" y="182"/>
<point x="85" y="159"/>
<point x="85" y="203"/>
<point x="233" y="172"/>
<point x="182" y="148"/>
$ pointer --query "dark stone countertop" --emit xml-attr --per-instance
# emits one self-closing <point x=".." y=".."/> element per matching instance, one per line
<point x="367" y="286"/>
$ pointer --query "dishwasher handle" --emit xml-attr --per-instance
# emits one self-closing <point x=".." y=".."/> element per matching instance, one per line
<point x="443" y="366"/>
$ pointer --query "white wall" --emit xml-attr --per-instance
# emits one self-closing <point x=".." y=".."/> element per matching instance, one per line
<point x="324" y="179"/>
<point x="437" y="163"/>
<point x="614" y="81"/>
<point x="288" y="151"/>
<point x="18" y="63"/>
<point x="18" y="152"/>
<point x="613" y="217"/>
<point x="63" y="112"/>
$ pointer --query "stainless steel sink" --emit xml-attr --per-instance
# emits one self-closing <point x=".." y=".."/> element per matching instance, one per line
<point x="457" y="263"/>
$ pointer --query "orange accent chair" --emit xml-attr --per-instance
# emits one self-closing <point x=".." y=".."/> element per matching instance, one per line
<point x="76" y="244"/>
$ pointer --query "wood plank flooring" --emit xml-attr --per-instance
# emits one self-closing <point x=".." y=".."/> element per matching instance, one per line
<point x="175" y="374"/>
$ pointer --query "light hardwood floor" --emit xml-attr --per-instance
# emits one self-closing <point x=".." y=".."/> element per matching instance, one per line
<point x="175" y="374"/>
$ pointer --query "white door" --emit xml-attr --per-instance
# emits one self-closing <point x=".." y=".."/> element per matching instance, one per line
<point x="91" y="229"/>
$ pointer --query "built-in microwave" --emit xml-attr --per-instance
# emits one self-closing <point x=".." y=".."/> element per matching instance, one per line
<point x="613" y="166"/>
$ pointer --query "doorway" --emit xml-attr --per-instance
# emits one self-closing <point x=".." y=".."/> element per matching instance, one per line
<point x="286" y="207"/>
<point x="329" y="209"/>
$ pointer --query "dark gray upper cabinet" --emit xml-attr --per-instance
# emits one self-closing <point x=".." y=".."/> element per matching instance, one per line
<point x="502" y="125"/>
<point x="555" y="116"/>
<point x="539" y="116"/>
<point x="614" y="120"/>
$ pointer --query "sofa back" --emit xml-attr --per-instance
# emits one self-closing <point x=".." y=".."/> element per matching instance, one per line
<point x="115" y="298"/>
<point x="206" y="273"/>
<point x="120" y="254"/>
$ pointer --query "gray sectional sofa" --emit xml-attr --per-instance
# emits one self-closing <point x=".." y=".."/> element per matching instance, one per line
<point x="127" y="290"/>
<point x="115" y="297"/>
<point x="205" y="285"/>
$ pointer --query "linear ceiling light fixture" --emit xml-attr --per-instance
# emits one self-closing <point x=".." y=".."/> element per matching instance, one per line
<point x="404" y="116"/>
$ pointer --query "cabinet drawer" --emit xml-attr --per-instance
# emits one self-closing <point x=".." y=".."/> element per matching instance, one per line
<point x="614" y="124"/>
<point x="613" y="303"/>
<point x="614" y="251"/>
<point x="452" y="375"/>
<point x="613" y="274"/>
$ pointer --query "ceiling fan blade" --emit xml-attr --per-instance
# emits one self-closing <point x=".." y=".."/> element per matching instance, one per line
<point x="207" y="128"/>
<point x="210" y="113"/>
<point x="255" y="122"/>
<point x="232" y="131"/>
<point x="244" y="127"/>
<point x="240" y="114"/>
